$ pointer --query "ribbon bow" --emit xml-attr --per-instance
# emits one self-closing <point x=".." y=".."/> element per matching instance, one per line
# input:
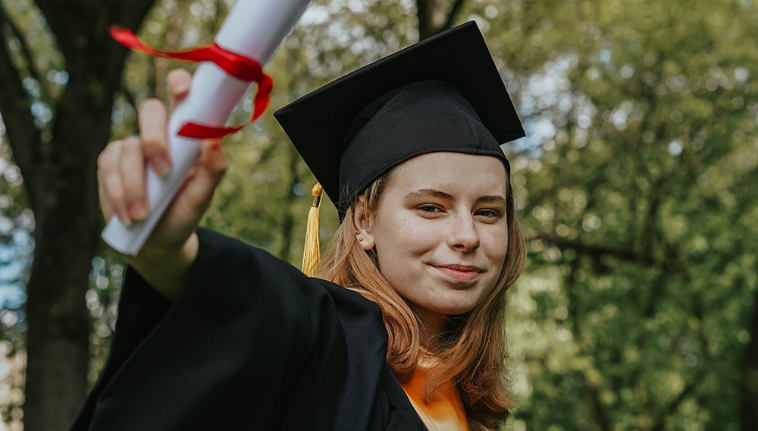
<point x="236" y="65"/>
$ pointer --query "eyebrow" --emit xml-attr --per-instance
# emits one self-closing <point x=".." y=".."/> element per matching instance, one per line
<point x="494" y="199"/>
<point x="429" y="193"/>
<point x="432" y="193"/>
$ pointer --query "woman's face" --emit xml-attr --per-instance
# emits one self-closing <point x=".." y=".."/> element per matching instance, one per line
<point x="440" y="230"/>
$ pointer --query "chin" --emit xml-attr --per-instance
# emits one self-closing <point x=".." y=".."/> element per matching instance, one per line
<point x="454" y="308"/>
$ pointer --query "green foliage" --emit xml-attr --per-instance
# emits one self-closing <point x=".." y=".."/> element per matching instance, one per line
<point x="637" y="196"/>
<point x="635" y="188"/>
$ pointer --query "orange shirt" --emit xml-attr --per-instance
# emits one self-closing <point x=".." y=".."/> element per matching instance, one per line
<point x="444" y="412"/>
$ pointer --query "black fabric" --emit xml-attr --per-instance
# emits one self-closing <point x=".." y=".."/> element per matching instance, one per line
<point x="422" y="117"/>
<point x="442" y="94"/>
<point x="252" y="344"/>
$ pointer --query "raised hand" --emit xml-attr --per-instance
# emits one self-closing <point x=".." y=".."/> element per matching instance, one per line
<point x="172" y="247"/>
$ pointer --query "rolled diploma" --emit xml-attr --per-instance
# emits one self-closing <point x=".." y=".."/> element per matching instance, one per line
<point x="254" y="29"/>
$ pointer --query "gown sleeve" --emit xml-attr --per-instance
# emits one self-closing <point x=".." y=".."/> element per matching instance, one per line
<point x="251" y="344"/>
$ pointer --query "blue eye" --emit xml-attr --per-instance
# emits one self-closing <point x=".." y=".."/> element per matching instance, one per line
<point x="429" y="209"/>
<point x="488" y="213"/>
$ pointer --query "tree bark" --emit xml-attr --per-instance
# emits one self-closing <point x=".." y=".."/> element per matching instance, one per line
<point x="435" y="17"/>
<point x="60" y="179"/>
<point x="66" y="236"/>
<point x="749" y="383"/>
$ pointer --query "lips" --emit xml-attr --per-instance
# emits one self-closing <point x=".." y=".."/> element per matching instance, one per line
<point x="460" y="272"/>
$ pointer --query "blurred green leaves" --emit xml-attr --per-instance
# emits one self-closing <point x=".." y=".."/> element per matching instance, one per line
<point x="636" y="187"/>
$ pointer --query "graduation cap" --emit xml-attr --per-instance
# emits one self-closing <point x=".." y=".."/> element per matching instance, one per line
<point x="441" y="94"/>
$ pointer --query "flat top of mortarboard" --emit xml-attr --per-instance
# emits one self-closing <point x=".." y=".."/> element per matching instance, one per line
<point x="319" y="122"/>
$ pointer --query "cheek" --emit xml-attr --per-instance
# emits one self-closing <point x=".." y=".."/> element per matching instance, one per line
<point x="402" y="247"/>
<point x="495" y="246"/>
<point x="403" y="237"/>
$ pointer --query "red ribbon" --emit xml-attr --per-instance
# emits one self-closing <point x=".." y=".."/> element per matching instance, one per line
<point x="238" y="66"/>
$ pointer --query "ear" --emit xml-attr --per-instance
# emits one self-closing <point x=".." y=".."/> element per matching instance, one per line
<point x="362" y="222"/>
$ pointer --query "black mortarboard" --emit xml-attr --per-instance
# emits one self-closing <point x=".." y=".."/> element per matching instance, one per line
<point x="441" y="94"/>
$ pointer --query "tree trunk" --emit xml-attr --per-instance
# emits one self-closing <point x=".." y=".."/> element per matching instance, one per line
<point x="749" y="384"/>
<point x="435" y="16"/>
<point x="66" y="235"/>
<point x="60" y="179"/>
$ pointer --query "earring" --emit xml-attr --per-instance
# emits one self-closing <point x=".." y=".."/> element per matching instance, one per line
<point x="360" y="237"/>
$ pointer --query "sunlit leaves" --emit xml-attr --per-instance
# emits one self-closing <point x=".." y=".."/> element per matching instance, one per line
<point x="660" y="162"/>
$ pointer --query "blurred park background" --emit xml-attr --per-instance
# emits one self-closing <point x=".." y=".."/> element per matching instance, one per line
<point x="636" y="186"/>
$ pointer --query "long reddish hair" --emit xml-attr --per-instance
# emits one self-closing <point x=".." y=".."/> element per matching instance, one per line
<point x="473" y="349"/>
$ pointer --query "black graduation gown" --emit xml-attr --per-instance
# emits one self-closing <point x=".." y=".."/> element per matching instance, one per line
<point x="251" y="344"/>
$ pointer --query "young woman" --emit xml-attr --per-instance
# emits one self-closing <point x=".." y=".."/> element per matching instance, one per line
<point x="404" y="328"/>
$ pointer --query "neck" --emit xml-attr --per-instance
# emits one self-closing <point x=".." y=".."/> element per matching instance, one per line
<point x="432" y="324"/>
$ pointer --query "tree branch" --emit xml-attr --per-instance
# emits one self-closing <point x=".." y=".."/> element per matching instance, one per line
<point x="749" y="383"/>
<point x="25" y="50"/>
<point x="698" y="376"/>
<point x="15" y="107"/>
<point x="90" y="35"/>
<point x="589" y="249"/>
<point x="453" y="14"/>
<point x="649" y="230"/>
<point x="673" y="405"/>
<point x="601" y="415"/>
<point x="597" y="405"/>
<point x="432" y="18"/>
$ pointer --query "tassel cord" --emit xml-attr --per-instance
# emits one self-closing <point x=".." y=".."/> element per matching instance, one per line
<point x="312" y="252"/>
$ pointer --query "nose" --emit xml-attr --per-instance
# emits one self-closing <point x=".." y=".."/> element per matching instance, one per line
<point x="464" y="236"/>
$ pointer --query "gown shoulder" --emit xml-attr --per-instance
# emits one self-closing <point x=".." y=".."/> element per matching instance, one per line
<point x="251" y="343"/>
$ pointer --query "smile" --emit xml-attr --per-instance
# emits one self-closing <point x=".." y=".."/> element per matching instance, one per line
<point x="460" y="272"/>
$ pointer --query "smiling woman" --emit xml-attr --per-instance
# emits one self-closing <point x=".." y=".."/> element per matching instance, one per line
<point x="441" y="242"/>
<point x="440" y="228"/>
<point x="403" y="329"/>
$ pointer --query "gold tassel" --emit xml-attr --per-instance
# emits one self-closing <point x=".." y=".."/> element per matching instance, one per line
<point x="312" y="254"/>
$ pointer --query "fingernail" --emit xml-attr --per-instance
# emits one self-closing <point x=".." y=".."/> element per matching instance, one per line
<point x="138" y="210"/>
<point x="125" y="219"/>
<point x="160" y="164"/>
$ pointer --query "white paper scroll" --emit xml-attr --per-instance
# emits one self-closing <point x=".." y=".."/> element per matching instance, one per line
<point x="254" y="29"/>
